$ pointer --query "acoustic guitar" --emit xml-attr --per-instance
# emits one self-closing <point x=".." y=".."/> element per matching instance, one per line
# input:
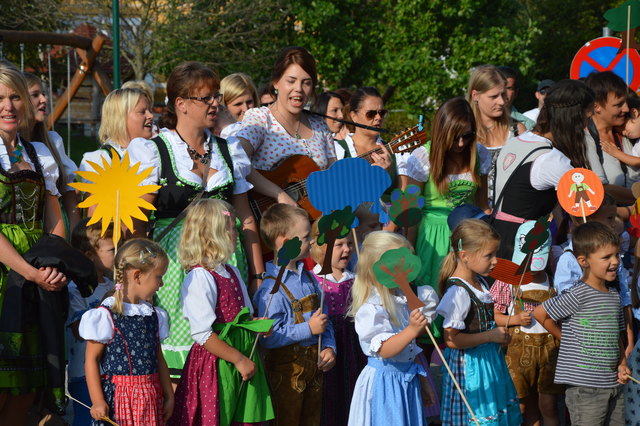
<point x="291" y="174"/>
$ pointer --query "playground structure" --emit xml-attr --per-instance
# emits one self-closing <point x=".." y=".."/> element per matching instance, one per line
<point x="86" y="49"/>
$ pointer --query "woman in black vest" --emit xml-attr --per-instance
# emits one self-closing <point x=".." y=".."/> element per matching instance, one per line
<point x="530" y="166"/>
<point x="182" y="153"/>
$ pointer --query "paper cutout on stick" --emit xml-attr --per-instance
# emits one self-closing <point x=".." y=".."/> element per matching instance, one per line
<point x="348" y="182"/>
<point x="625" y="18"/>
<point x="406" y="206"/>
<point x="116" y="191"/>
<point x="332" y="227"/>
<point x="396" y="269"/>
<point x="506" y="271"/>
<point x="580" y="192"/>
<point x="289" y="251"/>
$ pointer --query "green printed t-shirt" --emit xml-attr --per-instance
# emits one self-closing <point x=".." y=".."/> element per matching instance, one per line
<point x="591" y="323"/>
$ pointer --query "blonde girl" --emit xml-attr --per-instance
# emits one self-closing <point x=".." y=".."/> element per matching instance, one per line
<point x="487" y="95"/>
<point x="216" y="303"/>
<point x="126" y="115"/>
<point x="470" y="332"/>
<point x="126" y="373"/>
<point x="388" y="390"/>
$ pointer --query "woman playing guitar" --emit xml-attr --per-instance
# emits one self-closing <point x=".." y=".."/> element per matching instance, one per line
<point x="281" y="130"/>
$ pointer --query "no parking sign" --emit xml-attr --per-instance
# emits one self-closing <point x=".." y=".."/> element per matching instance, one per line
<point x="602" y="54"/>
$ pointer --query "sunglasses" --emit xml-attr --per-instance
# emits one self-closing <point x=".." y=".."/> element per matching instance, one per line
<point x="266" y="104"/>
<point x="207" y="99"/>
<point x="371" y="114"/>
<point x="466" y="137"/>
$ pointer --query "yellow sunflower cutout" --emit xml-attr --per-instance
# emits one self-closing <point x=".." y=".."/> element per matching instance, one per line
<point x="117" y="192"/>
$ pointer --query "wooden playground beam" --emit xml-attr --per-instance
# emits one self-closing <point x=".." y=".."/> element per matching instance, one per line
<point x="88" y="60"/>
<point x="41" y="37"/>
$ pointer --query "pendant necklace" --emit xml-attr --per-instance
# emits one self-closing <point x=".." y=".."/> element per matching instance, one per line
<point x="16" y="156"/>
<point x="195" y="155"/>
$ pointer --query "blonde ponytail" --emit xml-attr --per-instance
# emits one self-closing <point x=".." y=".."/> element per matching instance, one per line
<point x="447" y="267"/>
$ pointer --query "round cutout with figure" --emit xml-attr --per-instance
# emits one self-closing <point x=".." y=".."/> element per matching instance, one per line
<point x="580" y="192"/>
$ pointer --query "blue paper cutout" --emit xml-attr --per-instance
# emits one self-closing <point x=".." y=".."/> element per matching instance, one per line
<point x="349" y="182"/>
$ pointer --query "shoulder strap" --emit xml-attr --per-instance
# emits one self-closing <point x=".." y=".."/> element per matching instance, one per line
<point x="223" y="146"/>
<point x="287" y="292"/>
<point x="343" y="144"/>
<point x="198" y="196"/>
<point x="497" y="203"/>
<point x="108" y="150"/>
<point x="593" y="131"/>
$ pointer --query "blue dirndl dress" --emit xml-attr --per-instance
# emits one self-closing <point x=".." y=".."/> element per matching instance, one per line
<point x="482" y="374"/>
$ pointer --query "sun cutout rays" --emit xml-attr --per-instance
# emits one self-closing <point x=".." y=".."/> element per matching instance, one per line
<point x="117" y="192"/>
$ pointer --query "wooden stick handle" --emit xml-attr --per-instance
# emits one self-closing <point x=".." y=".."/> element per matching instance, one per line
<point x="455" y="382"/>
<point x="106" y="419"/>
<point x="633" y="379"/>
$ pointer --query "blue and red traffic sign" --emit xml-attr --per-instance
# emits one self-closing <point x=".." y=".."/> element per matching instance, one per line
<point x="602" y="54"/>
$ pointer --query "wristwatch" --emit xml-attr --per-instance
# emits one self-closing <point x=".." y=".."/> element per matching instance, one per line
<point x="260" y="276"/>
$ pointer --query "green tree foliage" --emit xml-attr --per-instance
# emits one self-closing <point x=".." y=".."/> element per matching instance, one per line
<point x="344" y="37"/>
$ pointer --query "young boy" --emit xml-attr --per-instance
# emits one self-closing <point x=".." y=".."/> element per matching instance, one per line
<point x="532" y="352"/>
<point x="292" y="363"/>
<point x="568" y="271"/>
<point x="100" y="250"/>
<point x="591" y="361"/>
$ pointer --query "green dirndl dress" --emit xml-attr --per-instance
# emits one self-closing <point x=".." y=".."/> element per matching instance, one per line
<point x="175" y="195"/>
<point x="21" y="210"/>
<point x="433" y="237"/>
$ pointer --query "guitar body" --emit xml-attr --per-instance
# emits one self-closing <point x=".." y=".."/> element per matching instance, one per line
<point x="291" y="176"/>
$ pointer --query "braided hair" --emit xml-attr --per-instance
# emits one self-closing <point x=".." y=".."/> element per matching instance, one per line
<point x="138" y="253"/>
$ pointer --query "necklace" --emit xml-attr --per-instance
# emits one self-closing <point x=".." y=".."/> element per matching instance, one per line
<point x="195" y="155"/>
<point x="296" y="134"/>
<point x="16" y="156"/>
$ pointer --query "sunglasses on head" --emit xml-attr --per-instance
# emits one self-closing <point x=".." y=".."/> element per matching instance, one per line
<point x="467" y="137"/>
<point x="371" y="114"/>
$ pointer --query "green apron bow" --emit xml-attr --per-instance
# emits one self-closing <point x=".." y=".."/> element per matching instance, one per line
<point x="243" y="320"/>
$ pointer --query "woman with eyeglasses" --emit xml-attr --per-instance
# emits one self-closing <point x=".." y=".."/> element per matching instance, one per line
<point x="486" y="94"/>
<point x="188" y="161"/>
<point x="450" y="170"/>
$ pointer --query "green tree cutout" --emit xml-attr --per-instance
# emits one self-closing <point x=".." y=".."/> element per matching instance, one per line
<point x="617" y="20"/>
<point x="535" y="238"/>
<point x="406" y="206"/>
<point x="396" y="269"/>
<point x="289" y="251"/>
<point x="331" y="227"/>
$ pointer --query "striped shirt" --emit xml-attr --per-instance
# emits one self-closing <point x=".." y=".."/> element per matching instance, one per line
<point x="591" y="323"/>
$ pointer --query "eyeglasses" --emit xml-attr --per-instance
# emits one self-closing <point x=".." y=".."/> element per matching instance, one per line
<point x="371" y="114"/>
<point x="466" y="137"/>
<point x="207" y="99"/>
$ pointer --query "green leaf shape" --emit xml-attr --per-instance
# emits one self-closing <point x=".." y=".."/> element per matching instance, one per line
<point x="401" y="258"/>
<point x="289" y="251"/>
<point x="335" y="225"/>
<point x="537" y="236"/>
<point x="617" y="17"/>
